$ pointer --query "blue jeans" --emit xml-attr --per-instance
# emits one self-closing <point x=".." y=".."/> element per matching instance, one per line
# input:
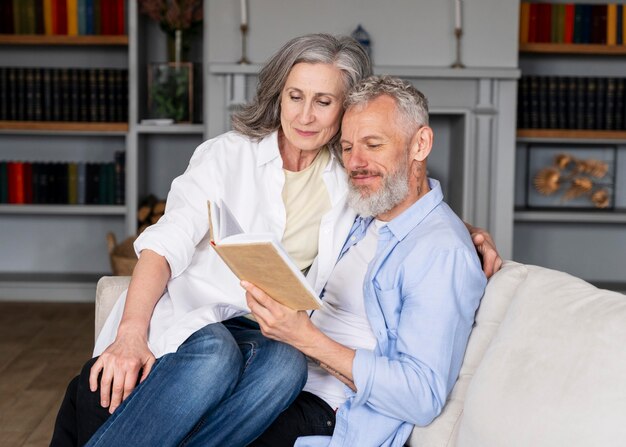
<point x="224" y="386"/>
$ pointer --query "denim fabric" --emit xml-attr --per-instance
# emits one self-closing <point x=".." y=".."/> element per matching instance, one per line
<point x="224" y="386"/>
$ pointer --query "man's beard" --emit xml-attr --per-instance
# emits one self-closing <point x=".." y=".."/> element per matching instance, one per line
<point x="393" y="190"/>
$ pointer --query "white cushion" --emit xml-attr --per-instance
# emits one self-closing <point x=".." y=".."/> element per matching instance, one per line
<point x="108" y="290"/>
<point x="555" y="373"/>
<point x="443" y="431"/>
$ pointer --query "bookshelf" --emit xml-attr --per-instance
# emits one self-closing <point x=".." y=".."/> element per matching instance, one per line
<point x="35" y="39"/>
<point x="591" y="242"/>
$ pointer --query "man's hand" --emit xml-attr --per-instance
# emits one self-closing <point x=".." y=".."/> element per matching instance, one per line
<point x="279" y="322"/>
<point x="492" y="262"/>
<point x="120" y="365"/>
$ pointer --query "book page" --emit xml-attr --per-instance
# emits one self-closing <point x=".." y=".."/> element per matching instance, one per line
<point x="227" y="222"/>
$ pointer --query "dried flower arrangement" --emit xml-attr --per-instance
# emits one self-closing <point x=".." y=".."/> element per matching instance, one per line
<point x="173" y="15"/>
<point x="578" y="176"/>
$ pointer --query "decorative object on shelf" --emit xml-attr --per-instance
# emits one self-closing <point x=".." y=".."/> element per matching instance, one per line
<point x="179" y="19"/>
<point x="458" y="33"/>
<point x="363" y="37"/>
<point x="569" y="180"/>
<point x="170" y="91"/>
<point x="149" y="212"/>
<point x="243" y="27"/>
<point x="122" y="256"/>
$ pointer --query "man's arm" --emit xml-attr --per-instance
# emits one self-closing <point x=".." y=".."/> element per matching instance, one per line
<point x="129" y="354"/>
<point x="293" y="327"/>
<point x="486" y="248"/>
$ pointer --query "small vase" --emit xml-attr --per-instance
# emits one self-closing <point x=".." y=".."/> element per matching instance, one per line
<point x="178" y="47"/>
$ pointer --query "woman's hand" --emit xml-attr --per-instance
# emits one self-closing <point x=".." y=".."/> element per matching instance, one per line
<point x="120" y="365"/>
<point x="486" y="248"/>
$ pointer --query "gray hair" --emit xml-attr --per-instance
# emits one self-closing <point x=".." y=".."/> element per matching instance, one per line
<point x="261" y="116"/>
<point x="411" y="103"/>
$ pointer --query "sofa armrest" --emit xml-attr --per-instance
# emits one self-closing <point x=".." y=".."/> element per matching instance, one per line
<point x="108" y="291"/>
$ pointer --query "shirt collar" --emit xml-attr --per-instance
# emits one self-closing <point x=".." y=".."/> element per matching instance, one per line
<point x="401" y="225"/>
<point x="268" y="149"/>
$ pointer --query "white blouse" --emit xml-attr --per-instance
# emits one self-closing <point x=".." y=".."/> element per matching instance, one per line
<point x="248" y="177"/>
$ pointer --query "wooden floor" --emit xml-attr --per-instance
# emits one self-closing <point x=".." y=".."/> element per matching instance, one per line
<point x="42" y="346"/>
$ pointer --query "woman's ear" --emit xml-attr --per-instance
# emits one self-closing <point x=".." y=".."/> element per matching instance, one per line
<point x="421" y="143"/>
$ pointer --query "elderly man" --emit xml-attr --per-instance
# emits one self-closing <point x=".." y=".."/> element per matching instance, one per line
<point x="387" y="347"/>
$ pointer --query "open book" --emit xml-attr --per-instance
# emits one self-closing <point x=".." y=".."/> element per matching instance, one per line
<point x="260" y="259"/>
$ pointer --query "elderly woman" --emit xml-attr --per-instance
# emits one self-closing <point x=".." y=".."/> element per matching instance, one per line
<point x="203" y="381"/>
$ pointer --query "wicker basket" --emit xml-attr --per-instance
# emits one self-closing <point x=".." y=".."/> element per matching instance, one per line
<point x="122" y="256"/>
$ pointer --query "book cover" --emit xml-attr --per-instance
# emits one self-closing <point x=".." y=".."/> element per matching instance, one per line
<point x="105" y="16"/>
<point x="552" y="101"/>
<point x="581" y="103"/>
<point x="72" y="17"/>
<point x="623" y="24"/>
<point x="20" y="92"/>
<point x="619" y="32"/>
<point x="28" y="182"/>
<point x="65" y="90"/>
<point x="72" y="183"/>
<point x="93" y="95"/>
<point x="61" y="11"/>
<point x="54" y="16"/>
<point x="524" y="22"/>
<point x="38" y="86"/>
<point x="533" y="22"/>
<point x="102" y="94"/>
<point x="598" y="24"/>
<point x="103" y="183"/>
<point x="120" y="176"/>
<point x="523" y="108"/>
<point x="6" y="20"/>
<point x="586" y="23"/>
<point x="609" y="104"/>
<point x="10" y="182"/>
<point x="46" y="94"/>
<point x="590" y="115"/>
<point x="4" y="183"/>
<point x="83" y="92"/>
<point x="611" y="24"/>
<point x="55" y="78"/>
<point x="572" y="98"/>
<point x="579" y="11"/>
<point x="600" y="104"/>
<point x="554" y="25"/>
<point x="47" y="17"/>
<point x="89" y="29"/>
<point x="17" y="16"/>
<point x="39" y="20"/>
<point x="11" y="93"/>
<point x="120" y="21"/>
<point x="18" y="182"/>
<point x="42" y="189"/>
<point x="96" y="17"/>
<point x="35" y="181"/>
<point x="74" y="86"/>
<point x="4" y="94"/>
<point x="28" y="17"/>
<point x="568" y="25"/>
<point x="82" y="24"/>
<point x="82" y="185"/>
<point x="30" y="94"/>
<point x="259" y="259"/>
<point x="563" y="101"/>
<point x="619" y="104"/>
<point x="111" y="96"/>
<point x="543" y="102"/>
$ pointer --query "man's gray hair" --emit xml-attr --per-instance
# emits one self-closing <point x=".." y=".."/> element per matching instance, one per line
<point x="261" y="116"/>
<point x="411" y="103"/>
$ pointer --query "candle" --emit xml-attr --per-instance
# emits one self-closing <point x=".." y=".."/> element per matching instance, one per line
<point x="244" y="12"/>
<point x="457" y="15"/>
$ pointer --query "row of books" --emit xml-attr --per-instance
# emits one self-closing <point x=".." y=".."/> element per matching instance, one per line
<point x="63" y="94"/>
<point x="573" y="23"/>
<point x="71" y="183"/>
<point x="63" y="17"/>
<point x="567" y="102"/>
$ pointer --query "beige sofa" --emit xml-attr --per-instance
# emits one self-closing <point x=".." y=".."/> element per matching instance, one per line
<point x="545" y="365"/>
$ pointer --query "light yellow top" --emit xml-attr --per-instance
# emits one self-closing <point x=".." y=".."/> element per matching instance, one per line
<point x="306" y="201"/>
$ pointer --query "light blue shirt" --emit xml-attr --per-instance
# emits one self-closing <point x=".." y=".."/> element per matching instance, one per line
<point x="421" y="293"/>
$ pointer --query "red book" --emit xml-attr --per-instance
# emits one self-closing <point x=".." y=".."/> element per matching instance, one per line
<point x="28" y="182"/>
<point x="18" y="182"/>
<point x="568" y="36"/>
<point x="545" y="22"/>
<point x="54" y="7"/>
<point x="61" y="14"/>
<point x="533" y="22"/>
<point x="105" y="17"/>
<point x="120" y="21"/>
<point x="11" y="181"/>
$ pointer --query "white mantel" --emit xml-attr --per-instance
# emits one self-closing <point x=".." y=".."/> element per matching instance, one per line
<point x="481" y="101"/>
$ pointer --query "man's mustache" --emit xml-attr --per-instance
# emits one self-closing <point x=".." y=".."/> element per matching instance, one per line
<point x="364" y="172"/>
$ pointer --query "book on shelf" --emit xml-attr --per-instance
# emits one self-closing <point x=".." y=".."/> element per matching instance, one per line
<point x="260" y="259"/>
<point x="4" y="183"/>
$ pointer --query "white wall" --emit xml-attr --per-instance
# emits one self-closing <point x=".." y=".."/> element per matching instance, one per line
<point x="403" y="32"/>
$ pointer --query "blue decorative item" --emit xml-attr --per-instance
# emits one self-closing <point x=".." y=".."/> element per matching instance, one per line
<point x="363" y="37"/>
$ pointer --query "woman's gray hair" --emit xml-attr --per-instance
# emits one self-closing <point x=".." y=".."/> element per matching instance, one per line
<point x="261" y="116"/>
<point x="412" y="104"/>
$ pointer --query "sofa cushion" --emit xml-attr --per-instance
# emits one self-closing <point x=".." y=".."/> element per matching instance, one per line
<point x="442" y="432"/>
<point x="108" y="291"/>
<point x="555" y="372"/>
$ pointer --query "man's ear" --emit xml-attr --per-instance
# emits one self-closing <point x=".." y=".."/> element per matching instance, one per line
<point x="421" y="143"/>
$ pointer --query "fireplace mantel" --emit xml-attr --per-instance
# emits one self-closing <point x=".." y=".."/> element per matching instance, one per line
<point x="482" y="103"/>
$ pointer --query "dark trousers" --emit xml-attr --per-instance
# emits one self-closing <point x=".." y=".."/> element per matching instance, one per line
<point x="307" y="415"/>
<point x="81" y="414"/>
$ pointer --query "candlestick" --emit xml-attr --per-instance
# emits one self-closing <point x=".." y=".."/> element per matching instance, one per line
<point x="244" y="38"/>
<point x="458" y="32"/>
<point x="457" y="15"/>
<point x="244" y="12"/>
